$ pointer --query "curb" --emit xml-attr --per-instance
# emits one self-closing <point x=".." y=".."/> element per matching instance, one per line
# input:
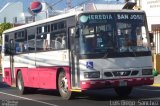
<point x="156" y="85"/>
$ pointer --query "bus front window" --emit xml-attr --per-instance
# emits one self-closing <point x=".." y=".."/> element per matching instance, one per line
<point x="131" y="37"/>
<point x="113" y="34"/>
<point x="97" y="39"/>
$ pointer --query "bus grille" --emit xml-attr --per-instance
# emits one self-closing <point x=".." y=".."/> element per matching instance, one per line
<point x="121" y="73"/>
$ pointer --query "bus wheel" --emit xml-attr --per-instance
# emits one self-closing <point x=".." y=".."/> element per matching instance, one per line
<point x="123" y="91"/>
<point x="20" y="83"/>
<point x="63" y="86"/>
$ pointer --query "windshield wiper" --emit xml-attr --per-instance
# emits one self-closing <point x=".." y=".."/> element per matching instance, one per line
<point x="105" y="55"/>
<point x="107" y="51"/>
<point x="133" y="51"/>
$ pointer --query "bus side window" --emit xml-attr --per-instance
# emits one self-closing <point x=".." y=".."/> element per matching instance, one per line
<point x="31" y="42"/>
<point x="64" y="40"/>
<point x="20" y="41"/>
<point x="45" y="44"/>
<point x="6" y="49"/>
<point x="58" y="43"/>
<point x="52" y="44"/>
<point x="6" y="45"/>
<point x="9" y="47"/>
<point x="52" y="41"/>
<point x="19" y="46"/>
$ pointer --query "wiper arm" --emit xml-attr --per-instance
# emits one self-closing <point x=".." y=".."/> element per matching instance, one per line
<point x="134" y="53"/>
<point x="105" y="55"/>
<point x="107" y="52"/>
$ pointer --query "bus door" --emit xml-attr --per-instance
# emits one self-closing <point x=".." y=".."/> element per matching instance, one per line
<point x="75" y="74"/>
<point x="11" y="60"/>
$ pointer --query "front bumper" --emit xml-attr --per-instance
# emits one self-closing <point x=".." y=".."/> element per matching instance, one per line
<point x="96" y="84"/>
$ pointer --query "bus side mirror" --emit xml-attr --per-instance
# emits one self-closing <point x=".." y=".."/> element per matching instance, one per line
<point x="151" y="37"/>
<point x="9" y="51"/>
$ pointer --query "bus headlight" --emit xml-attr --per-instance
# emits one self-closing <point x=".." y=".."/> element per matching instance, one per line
<point x="146" y="71"/>
<point x="92" y="74"/>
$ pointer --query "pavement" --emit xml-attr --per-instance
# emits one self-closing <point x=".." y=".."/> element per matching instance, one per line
<point x="157" y="81"/>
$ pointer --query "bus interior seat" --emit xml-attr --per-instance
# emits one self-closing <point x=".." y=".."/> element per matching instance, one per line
<point x="45" y="44"/>
<point x="52" y="44"/>
<point x="58" y="43"/>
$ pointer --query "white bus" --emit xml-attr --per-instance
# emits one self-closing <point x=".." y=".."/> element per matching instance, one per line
<point x="79" y="51"/>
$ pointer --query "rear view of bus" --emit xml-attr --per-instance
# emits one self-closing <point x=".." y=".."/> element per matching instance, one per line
<point x="114" y="51"/>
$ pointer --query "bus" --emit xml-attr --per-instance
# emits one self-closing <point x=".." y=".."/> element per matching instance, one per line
<point x="79" y="51"/>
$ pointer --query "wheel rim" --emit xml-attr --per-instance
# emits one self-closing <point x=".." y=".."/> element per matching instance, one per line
<point x="19" y="84"/>
<point x="64" y="85"/>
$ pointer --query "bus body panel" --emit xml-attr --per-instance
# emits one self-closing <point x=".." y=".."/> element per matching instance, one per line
<point x="52" y="58"/>
<point x="113" y="65"/>
<point x="7" y="76"/>
<point x="119" y="82"/>
<point x="48" y="76"/>
<point x="42" y="68"/>
<point x="41" y="77"/>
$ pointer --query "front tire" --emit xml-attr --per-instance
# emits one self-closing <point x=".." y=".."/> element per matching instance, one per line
<point x="63" y="86"/>
<point x="123" y="91"/>
<point x="20" y="83"/>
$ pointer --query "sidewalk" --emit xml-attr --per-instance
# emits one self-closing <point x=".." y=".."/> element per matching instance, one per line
<point x="157" y="81"/>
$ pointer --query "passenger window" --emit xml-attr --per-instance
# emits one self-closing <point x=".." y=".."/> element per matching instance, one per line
<point x="21" y="42"/>
<point x="9" y="47"/>
<point x="58" y="41"/>
<point x="6" y="47"/>
<point x="19" y="47"/>
<point x="30" y="45"/>
<point x="43" y="42"/>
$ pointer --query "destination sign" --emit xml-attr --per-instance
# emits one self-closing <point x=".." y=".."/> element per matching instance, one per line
<point x="102" y="18"/>
<point x="130" y="16"/>
<point x="95" y="18"/>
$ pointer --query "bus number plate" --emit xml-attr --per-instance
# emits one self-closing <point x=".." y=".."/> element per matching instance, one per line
<point x="122" y="83"/>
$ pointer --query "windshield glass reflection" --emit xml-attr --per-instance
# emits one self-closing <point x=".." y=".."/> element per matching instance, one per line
<point x="108" y="37"/>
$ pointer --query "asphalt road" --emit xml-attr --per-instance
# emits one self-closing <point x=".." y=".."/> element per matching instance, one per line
<point x="141" y="96"/>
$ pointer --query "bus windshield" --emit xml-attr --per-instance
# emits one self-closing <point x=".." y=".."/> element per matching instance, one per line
<point x="113" y="32"/>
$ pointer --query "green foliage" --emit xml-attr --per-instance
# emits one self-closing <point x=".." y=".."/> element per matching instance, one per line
<point x="3" y="27"/>
<point x="155" y="72"/>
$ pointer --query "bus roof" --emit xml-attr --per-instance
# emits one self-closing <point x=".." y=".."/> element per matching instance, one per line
<point x="64" y="15"/>
<point x="61" y="16"/>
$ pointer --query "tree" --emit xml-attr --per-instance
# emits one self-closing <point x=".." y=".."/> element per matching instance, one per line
<point x="3" y="27"/>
